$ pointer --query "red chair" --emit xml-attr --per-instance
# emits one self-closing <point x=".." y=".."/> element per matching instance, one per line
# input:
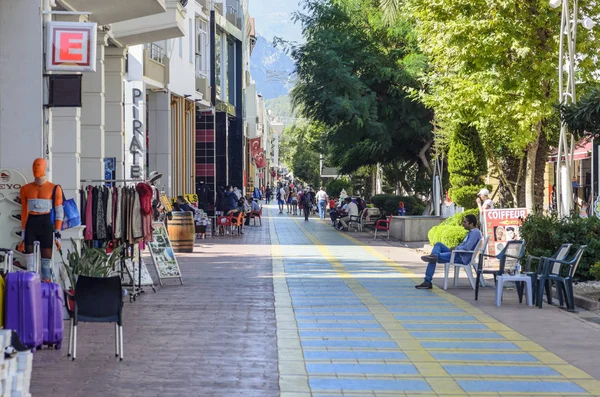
<point x="383" y="225"/>
<point x="256" y="214"/>
<point x="225" y="222"/>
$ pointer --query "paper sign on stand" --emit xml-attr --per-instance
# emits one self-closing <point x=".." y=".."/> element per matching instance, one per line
<point x="163" y="255"/>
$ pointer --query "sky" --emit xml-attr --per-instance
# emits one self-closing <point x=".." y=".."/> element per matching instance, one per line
<point x="273" y="18"/>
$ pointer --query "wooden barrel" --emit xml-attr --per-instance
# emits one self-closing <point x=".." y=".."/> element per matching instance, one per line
<point x="182" y="232"/>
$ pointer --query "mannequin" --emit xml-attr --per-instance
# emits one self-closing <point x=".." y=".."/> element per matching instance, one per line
<point x="36" y="225"/>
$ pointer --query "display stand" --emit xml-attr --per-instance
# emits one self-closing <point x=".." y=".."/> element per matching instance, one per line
<point x="11" y="182"/>
<point x="163" y="255"/>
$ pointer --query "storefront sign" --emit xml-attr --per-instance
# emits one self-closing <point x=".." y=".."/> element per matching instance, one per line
<point x="135" y="132"/>
<point x="502" y="225"/>
<point x="71" y="46"/>
<point x="597" y="207"/>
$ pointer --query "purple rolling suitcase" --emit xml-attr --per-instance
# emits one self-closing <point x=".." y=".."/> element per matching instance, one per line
<point x="24" y="306"/>
<point x="52" y="307"/>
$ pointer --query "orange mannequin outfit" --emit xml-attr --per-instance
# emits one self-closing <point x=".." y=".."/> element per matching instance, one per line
<point x="36" y="202"/>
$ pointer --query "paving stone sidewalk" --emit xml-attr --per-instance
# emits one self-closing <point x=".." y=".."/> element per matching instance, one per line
<point x="213" y="336"/>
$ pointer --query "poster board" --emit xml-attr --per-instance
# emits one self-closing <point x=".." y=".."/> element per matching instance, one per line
<point x="502" y="225"/>
<point x="163" y="255"/>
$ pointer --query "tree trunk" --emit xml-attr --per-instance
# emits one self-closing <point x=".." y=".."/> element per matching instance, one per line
<point x="532" y="150"/>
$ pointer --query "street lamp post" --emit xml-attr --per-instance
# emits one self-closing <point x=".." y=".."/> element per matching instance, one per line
<point x="566" y="95"/>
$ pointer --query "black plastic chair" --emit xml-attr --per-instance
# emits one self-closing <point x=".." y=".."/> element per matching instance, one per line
<point x="561" y="272"/>
<point x="560" y="254"/>
<point x="510" y="256"/>
<point x="98" y="300"/>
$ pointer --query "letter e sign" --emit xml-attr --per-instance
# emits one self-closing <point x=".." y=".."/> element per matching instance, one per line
<point x="71" y="46"/>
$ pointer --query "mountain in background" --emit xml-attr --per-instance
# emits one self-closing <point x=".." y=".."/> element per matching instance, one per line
<point x="271" y="69"/>
<point x="281" y="109"/>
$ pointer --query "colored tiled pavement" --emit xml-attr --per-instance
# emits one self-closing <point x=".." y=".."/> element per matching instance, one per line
<point x="355" y="325"/>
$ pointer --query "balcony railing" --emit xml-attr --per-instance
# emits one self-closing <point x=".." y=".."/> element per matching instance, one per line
<point x="156" y="53"/>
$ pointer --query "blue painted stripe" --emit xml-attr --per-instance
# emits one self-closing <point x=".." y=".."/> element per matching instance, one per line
<point x="404" y="369"/>
<point x="445" y="326"/>
<point x="514" y="386"/>
<point x="352" y="355"/>
<point x="449" y="318"/>
<point x="470" y="345"/>
<point x="339" y="325"/>
<point x="368" y="384"/>
<point x="339" y="318"/>
<point x="337" y="310"/>
<point x="342" y="334"/>
<point x="504" y="370"/>
<point x="371" y="344"/>
<point x="455" y="335"/>
<point x="426" y="310"/>
<point x="492" y="357"/>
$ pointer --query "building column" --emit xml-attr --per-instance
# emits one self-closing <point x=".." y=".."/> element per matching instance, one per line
<point x="114" y="129"/>
<point x="93" y="116"/>
<point x="159" y="135"/>
<point x="66" y="149"/>
<point x="21" y="84"/>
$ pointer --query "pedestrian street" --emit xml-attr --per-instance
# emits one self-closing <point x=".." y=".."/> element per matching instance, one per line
<point x="350" y="322"/>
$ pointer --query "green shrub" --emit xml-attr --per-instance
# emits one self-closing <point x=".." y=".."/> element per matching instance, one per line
<point x="595" y="271"/>
<point x="450" y="232"/>
<point x="335" y="186"/>
<point x="456" y="219"/>
<point x="545" y="233"/>
<point x="389" y="204"/>
<point x="467" y="166"/>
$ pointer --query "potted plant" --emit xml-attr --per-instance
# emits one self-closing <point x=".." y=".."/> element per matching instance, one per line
<point x="91" y="262"/>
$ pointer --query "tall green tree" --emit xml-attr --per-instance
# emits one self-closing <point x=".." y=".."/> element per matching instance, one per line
<point x="493" y="65"/>
<point x="355" y="74"/>
<point x="467" y="165"/>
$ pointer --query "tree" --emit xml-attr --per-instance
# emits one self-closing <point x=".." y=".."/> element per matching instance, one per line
<point x="467" y="166"/>
<point x="493" y="66"/>
<point x="354" y="77"/>
<point x="300" y="148"/>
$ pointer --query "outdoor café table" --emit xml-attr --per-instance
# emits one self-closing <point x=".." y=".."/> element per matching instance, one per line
<point x="519" y="278"/>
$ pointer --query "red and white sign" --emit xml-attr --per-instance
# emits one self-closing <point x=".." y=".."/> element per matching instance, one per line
<point x="503" y="225"/>
<point x="71" y="46"/>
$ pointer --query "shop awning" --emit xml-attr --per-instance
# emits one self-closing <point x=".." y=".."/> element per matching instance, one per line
<point x="583" y="150"/>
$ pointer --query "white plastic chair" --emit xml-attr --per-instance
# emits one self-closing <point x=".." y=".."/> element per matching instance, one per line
<point x="468" y="268"/>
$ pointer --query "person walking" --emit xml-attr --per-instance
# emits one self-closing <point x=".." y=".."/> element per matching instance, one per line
<point x="268" y="194"/>
<point x="441" y="254"/>
<point x="322" y="202"/>
<point x="306" y="204"/>
<point x="294" y="199"/>
<point x="281" y="198"/>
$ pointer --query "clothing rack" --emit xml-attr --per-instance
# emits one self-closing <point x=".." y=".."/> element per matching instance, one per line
<point x="113" y="180"/>
<point x="137" y="289"/>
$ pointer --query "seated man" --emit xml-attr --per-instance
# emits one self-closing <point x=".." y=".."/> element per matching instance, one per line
<point x="338" y="213"/>
<point x="441" y="254"/>
<point x="351" y="210"/>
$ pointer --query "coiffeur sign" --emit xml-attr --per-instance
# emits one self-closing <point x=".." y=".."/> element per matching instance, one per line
<point x="71" y="46"/>
<point x="502" y="225"/>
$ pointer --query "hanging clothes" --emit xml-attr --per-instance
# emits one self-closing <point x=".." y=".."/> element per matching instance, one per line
<point x="89" y="227"/>
<point x="145" y="192"/>
<point x="118" y="234"/>
<point x="109" y="213"/>
<point x="100" y="217"/>
<point x="136" y="219"/>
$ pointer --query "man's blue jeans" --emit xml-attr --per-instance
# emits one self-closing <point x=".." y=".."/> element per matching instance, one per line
<point x="443" y="253"/>
<point x="322" y="208"/>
